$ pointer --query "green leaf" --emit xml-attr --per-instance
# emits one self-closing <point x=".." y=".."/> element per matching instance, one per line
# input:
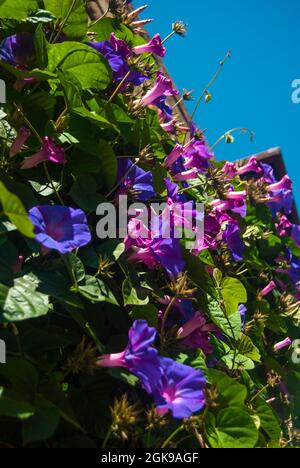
<point x="232" y="428"/>
<point x="111" y="249"/>
<point x="247" y="348"/>
<point x="12" y="406"/>
<point x="22" y="301"/>
<point x="22" y="376"/>
<point x="81" y="63"/>
<point x="230" y="393"/>
<point x="109" y="164"/>
<point x="234" y="294"/>
<point x="233" y="360"/>
<point x="148" y="312"/>
<point x="268" y="420"/>
<point x="84" y="193"/>
<point x="15" y="211"/>
<point x="73" y="12"/>
<point x="95" y="290"/>
<point x="42" y="425"/>
<point x="17" y="9"/>
<point x="230" y="326"/>
<point x="41" y="16"/>
<point x="134" y="295"/>
<point x="41" y="47"/>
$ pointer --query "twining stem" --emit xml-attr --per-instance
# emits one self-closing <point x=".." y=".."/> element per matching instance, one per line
<point x="28" y="123"/>
<point x="116" y="91"/>
<point x="100" y="18"/>
<point x="107" y="437"/>
<point x="171" y="437"/>
<point x="65" y="20"/>
<point x="229" y="132"/>
<point x="205" y="91"/>
<point x="168" y="37"/>
<point x="259" y="392"/>
<point x="166" y="315"/>
<point x="50" y="181"/>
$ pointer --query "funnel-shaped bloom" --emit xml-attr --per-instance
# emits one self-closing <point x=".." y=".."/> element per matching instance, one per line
<point x="18" y="50"/>
<point x="163" y="87"/>
<point x="60" y="228"/>
<point x="195" y="333"/>
<point x="268" y="289"/>
<point x="20" y="140"/>
<point x="252" y="166"/>
<point x="182" y="390"/>
<point x="283" y="344"/>
<point x="155" y="47"/>
<point x="232" y="237"/>
<point x="134" y="181"/>
<point x="139" y="356"/>
<point x="284" y="184"/>
<point x="50" y="151"/>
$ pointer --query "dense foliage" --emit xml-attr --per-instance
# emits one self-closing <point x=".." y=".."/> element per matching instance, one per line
<point x="210" y="360"/>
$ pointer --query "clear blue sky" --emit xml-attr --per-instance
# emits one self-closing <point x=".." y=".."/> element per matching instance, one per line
<point x="254" y="89"/>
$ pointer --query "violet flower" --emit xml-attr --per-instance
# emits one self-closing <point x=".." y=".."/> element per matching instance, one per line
<point x="60" y="228"/>
<point x="117" y="53"/>
<point x="155" y="47"/>
<point x="50" y="151"/>
<point x="231" y="236"/>
<point x="152" y="250"/>
<point x="243" y="311"/>
<point x="18" y="50"/>
<point x="283" y="226"/>
<point x="20" y="140"/>
<point x="163" y="87"/>
<point x="284" y="184"/>
<point x="182" y="390"/>
<point x="134" y="181"/>
<point x="139" y="357"/>
<point x="283" y="344"/>
<point x="295" y="234"/>
<point x="195" y="333"/>
<point x="230" y="170"/>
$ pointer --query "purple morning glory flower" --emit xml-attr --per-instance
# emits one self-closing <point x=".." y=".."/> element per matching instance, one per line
<point x="117" y="53"/>
<point x="197" y="155"/>
<point x="152" y="250"/>
<point x="155" y="47"/>
<point x="182" y="390"/>
<point x="162" y="87"/>
<point x="50" y="151"/>
<point x="252" y="166"/>
<point x="269" y="176"/>
<point x="296" y="234"/>
<point x="60" y="228"/>
<point x="165" y="111"/>
<point x="243" y="311"/>
<point x="18" y="50"/>
<point x="139" y="356"/>
<point x="232" y="237"/>
<point x="134" y="181"/>
<point x="281" y="200"/>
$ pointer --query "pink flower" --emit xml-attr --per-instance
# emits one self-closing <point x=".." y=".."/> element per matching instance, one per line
<point x="195" y="333"/>
<point x="252" y="166"/>
<point x="162" y="87"/>
<point x="187" y="175"/>
<point x="284" y="184"/>
<point x="50" y="151"/>
<point x="237" y="196"/>
<point x="283" y="344"/>
<point x="230" y="170"/>
<point x="271" y="286"/>
<point x="174" y="155"/>
<point x="20" y="140"/>
<point x="155" y="46"/>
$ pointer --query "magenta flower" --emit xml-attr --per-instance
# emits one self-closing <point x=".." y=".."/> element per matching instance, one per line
<point x="174" y="155"/>
<point x="268" y="289"/>
<point x="155" y="47"/>
<point x="252" y="166"/>
<point x="283" y="344"/>
<point x="283" y="226"/>
<point x="20" y="140"/>
<point x="162" y="87"/>
<point x="60" y="228"/>
<point x="184" y="176"/>
<point x="197" y="155"/>
<point x="182" y="390"/>
<point x="195" y="333"/>
<point x="151" y="249"/>
<point x="50" y="151"/>
<point x="229" y="170"/>
<point x="237" y="196"/>
<point x="284" y="184"/>
<point x="139" y="356"/>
